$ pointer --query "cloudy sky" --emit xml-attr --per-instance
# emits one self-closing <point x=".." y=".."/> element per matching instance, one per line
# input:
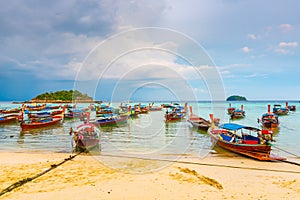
<point x="151" y="50"/>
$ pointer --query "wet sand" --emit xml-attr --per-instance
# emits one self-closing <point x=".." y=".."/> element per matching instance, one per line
<point x="85" y="177"/>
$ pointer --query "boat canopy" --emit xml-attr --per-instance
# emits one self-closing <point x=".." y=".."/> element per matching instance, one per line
<point x="232" y="126"/>
<point x="235" y="127"/>
<point x="269" y="114"/>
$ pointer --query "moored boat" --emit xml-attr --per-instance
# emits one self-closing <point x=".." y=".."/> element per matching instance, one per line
<point x="279" y="110"/>
<point x="110" y="120"/>
<point x="28" y="122"/>
<point x="269" y="119"/>
<point x="73" y="113"/>
<point x="86" y="136"/>
<point x="176" y="113"/>
<point x="238" y="113"/>
<point x="10" y="111"/>
<point x="153" y="107"/>
<point x="34" y="107"/>
<point x="230" y="109"/>
<point x="241" y="139"/>
<point x="26" y="125"/>
<point x="8" y="119"/>
<point x="290" y="107"/>
<point x="198" y="122"/>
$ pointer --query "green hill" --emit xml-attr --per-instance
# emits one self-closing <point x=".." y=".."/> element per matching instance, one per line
<point x="62" y="96"/>
<point x="236" y="98"/>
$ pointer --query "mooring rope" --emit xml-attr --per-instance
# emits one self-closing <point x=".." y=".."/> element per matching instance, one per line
<point x="53" y="166"/>
<point x="285" y="151"/>
<point x="206" y="164"/>
<point x="28" y="179"/>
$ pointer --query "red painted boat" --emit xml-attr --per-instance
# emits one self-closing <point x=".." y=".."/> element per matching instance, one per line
<point x="153" y="107"/>
<point x="9" y="111"/>
<point x="86" y="136"/>
<point x="238" y="113"/>
<point x="54" y="114"/>
<point x="40" y="124"/>
<point x="230" y="109"/>
<point x="111" y="120"/>
<point x="34" y="108"/>
<point x="269" y="119"/>
<point x="279" y="110"/>
<point x="141" y="109"/>
<point x="8" y="119"/>
<point x="240" y="139"/>
<point x="176" y="113"/>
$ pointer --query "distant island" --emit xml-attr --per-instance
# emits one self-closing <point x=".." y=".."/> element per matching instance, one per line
<point x="236" y="98"/>
<point x="62" y="96"/>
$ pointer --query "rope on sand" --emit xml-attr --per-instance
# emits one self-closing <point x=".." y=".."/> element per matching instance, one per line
<point x="207" y="164"/>
<point x="28" y="179"/>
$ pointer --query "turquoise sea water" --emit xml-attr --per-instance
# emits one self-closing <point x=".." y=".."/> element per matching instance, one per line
<point x="150" y="135"/>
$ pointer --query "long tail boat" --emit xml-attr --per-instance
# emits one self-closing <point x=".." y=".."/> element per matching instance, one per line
<point x="34" y="123"/>
<point x="279" y="110"/>
<point x="238" y="113"/>
<point x="176" y="113"/>
<point x="173" y="116"/>
<point x="198" y="122"/>
<point x="35" y="108"/>
<point x="111" y="120"/>
<point x="269" y="119"/>
<point x="46" y="114"/>
<point x="8" y="119"/>
<point x="230" y="109"/>
<point x="86" y="136"/>
<point x="10" y="111"/>
<point x="290" y="107"/>
<point x="240" y="139"/>
<point x="40" y="124"/>
<point x="153" y="107"/>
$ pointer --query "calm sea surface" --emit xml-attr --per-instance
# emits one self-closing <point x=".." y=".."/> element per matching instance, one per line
<point x="150" y="135"/>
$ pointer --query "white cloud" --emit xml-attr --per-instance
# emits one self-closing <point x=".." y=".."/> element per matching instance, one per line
<point x="282" y="51"/>
<point x="285" y="27"/>
<point x="288" y="44"/>
<point x="256" y="75"/>
<point x="245" y="49"/>
<point x="252" y="36"/>
<point x="285" y="48"/>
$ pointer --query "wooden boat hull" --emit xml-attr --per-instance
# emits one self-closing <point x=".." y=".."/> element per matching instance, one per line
<point x="269" y="120"/>
<point x="270" y="125"/>
<point x="35" y="125"/>
<point x="16" y="110"/>
<point x="173" y="119"/>
<point x="237" y="116"/>
<point x="113" y="121"/>
<point x="86" y="136"/>
<point x="200" y="124"/>
<point x="230" y="110"/>
<point x="256" y="151"/>
<point x="292" y="108"/>
<point x="8" y="119"/>
<point x="155" y="109"/>
<point x="86" y="142"/>
<point x="35" y="108"/>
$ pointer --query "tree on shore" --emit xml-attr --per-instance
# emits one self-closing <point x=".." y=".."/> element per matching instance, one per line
<point x="63" y="95"/>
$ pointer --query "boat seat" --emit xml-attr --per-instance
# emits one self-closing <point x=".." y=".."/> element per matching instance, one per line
<point x="250" y="142"/>
<point x="226" y="137"/>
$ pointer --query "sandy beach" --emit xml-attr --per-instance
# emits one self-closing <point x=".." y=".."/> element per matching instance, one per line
<point x="85" y="177"/>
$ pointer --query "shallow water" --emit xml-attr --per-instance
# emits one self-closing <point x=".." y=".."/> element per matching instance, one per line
<point x="148" y="135"/>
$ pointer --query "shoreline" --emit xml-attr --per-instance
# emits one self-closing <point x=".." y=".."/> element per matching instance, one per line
<point x="102" y="177"/>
